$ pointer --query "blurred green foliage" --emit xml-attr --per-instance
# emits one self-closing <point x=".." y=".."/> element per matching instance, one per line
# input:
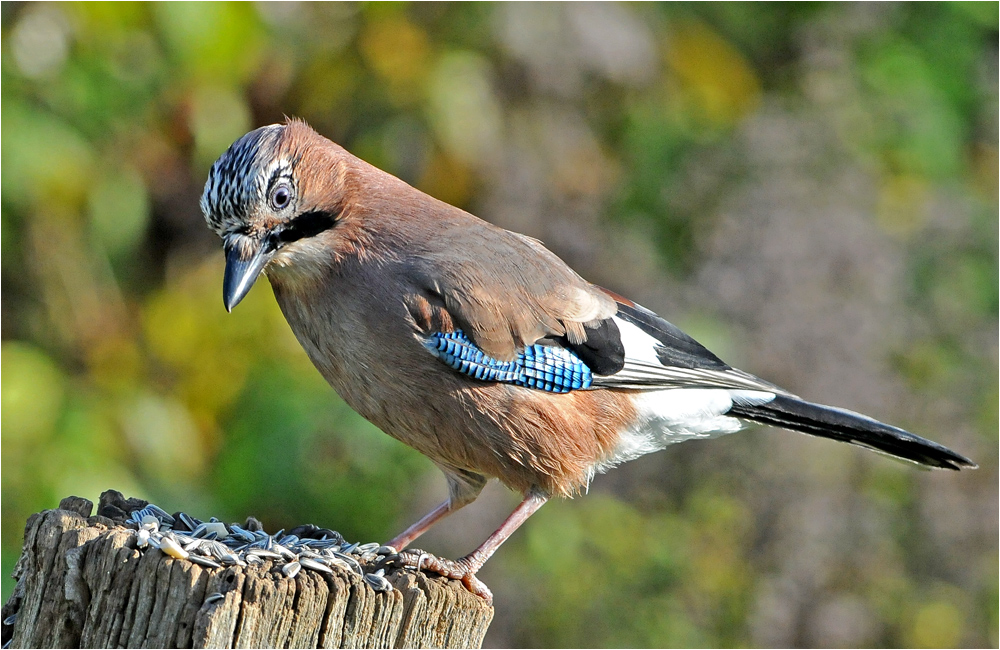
<point x="120" y="368"/>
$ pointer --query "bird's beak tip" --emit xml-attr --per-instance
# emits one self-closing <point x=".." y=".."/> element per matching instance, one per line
<point x="242" y="268"/>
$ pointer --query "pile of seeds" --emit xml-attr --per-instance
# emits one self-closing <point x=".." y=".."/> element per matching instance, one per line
<point x="214" y="544"/>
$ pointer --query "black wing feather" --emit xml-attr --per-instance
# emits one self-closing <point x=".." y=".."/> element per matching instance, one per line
<point x="602" y="351"/>
<point x="678" y="349"/>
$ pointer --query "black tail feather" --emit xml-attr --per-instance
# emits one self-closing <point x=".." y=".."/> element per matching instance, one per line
<point x="846" y="426"/>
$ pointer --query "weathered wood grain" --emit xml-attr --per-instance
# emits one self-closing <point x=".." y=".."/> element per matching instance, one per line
<point x="81" y="582"/>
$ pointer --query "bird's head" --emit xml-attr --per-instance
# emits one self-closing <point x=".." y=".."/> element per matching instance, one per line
<point x="273" y="193"/>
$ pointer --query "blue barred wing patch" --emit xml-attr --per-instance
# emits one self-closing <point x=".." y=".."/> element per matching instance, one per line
<point x="544" y="367"/>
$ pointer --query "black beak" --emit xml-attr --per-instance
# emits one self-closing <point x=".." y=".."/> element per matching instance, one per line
<point x="246" y="257"/>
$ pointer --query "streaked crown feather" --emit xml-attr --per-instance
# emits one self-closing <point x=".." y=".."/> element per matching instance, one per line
<point x="239" y="179"/>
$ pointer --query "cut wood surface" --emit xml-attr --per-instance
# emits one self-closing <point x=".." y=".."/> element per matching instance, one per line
<point x="82" y="581"/>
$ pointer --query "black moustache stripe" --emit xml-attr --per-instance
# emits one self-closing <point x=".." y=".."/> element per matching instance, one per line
<point x="307" y="224"/>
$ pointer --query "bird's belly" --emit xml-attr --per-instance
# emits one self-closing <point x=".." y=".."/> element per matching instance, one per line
<point x="528" y="439"/>
<point x="524" y="437"/>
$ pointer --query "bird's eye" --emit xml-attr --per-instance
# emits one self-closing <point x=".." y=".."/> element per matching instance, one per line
<point x="281" y="196"/>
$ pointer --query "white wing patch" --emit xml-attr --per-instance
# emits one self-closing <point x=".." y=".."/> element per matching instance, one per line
<point x="639" y="346"/>
<point x="644" y="371"/>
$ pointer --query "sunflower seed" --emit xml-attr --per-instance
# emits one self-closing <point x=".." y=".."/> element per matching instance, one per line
<point x="377" y="582"/>
<point x="315" y="565"/>
<point x="214" y="598"/>
<point x="187" y="521"/>
<point x="278" y="548"/>
<point x="135" y="517"/>
<point x="291" y="569"/>
<point x="245" y="535"/>
<point x="232" y="559"/>
<point x="160" y="513"/>
<point x="204" y="561"/>
<point x="337" y="562"/>
<point x="350" y="561"/>
<point x="215" y="549"/>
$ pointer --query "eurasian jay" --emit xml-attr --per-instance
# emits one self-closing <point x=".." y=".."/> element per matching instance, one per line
<point x="477" y="346"/>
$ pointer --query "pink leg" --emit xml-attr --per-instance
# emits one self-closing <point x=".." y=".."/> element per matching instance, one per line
<point x="478" y="557"/>
<point x="405" y="538"/>
<point x="463" y="488"/>
<point x="465" y="568"/>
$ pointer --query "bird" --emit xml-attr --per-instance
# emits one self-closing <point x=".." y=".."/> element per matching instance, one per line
<point x="478" y="346"/>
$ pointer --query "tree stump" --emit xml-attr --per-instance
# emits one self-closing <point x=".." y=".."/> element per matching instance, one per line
<point x="83" y="582"/>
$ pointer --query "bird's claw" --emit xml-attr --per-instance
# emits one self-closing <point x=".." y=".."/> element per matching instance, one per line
<point x="459" y="569"/>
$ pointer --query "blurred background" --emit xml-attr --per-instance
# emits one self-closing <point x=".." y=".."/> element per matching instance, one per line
<point x="808" y="189"/>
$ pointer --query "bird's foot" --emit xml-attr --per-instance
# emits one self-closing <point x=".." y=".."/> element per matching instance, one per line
<point x="460" y="569"/>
